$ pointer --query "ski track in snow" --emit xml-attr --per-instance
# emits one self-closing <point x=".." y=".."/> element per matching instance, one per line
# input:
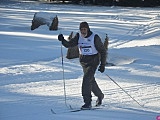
<point x="51" y="86"/>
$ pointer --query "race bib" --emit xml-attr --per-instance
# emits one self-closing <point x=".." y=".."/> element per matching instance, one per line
<point x="86" y="50"/>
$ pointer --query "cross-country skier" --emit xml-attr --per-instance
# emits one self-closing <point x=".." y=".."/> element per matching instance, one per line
<point x="92" y="54"/>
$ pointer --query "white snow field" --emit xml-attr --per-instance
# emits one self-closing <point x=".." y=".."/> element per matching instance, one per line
<point x="31" y="74"/>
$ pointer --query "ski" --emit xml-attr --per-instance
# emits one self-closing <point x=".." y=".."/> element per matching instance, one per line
<point x="76" y="110"/>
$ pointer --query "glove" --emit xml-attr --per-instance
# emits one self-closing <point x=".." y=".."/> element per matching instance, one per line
<point x="60" y="37"/>
<point x="101" y="68"/>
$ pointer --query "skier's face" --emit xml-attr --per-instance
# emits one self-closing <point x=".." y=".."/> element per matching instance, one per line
<point x="84" y="32"/>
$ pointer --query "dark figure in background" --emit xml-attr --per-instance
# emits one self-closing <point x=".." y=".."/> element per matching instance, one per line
<point x="92" y="53"/>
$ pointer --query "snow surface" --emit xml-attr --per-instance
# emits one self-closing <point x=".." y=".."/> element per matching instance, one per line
<point x="31" y="74"/>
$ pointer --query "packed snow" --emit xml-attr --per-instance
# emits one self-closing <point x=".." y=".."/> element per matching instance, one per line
<point x="31" y="72"/>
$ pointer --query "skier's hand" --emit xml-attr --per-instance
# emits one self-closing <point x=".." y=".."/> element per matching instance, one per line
<point x="101" y="68"/>
<point x="60" y="37"/>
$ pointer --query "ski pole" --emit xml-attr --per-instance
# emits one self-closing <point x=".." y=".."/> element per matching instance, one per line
<point x="125" y="91"/>
<point x="64" y="82"/>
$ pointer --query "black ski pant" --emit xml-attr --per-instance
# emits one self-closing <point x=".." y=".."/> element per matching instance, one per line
<point x="89" y="83"/>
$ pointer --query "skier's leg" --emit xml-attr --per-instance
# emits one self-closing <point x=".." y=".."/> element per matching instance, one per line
<point x="86" y="86"/>
<point x="97" y="91"/>
<point x="95" y="88"/>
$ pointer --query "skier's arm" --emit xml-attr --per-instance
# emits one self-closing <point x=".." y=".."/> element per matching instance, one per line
<point x="101" y="50"/>
<point x="73" y="42"/>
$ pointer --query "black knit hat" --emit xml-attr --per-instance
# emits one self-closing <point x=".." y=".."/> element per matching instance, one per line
<point x="84" y="25"/>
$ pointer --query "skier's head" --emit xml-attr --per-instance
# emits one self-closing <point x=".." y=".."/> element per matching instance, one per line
<point x="84" y="28"/>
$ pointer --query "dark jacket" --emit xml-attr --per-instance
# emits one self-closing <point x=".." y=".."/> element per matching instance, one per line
<point x="89" y="58"/>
